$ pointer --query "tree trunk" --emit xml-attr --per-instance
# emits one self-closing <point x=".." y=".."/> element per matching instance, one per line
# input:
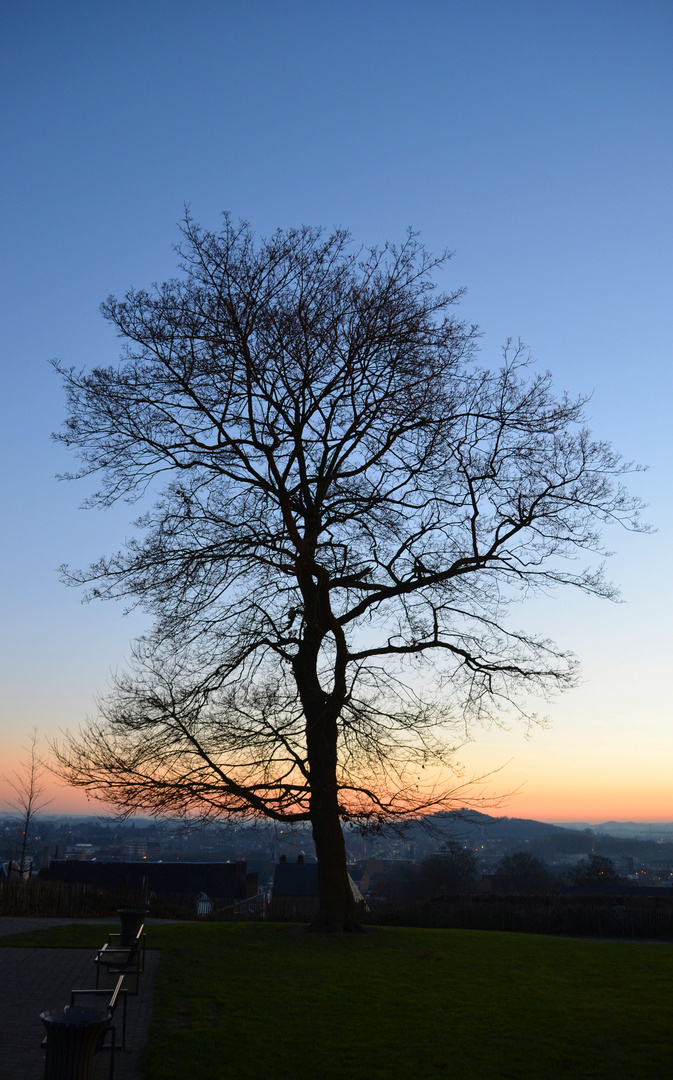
<point x="24" y="846"/>
<point x="337" y="911"/>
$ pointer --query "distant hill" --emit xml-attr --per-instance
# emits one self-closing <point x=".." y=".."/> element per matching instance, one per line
<point x="470" y="824"/>
<point x="642" y="830"/>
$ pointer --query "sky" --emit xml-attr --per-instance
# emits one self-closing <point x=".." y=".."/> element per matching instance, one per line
<point x="532" y="139"/>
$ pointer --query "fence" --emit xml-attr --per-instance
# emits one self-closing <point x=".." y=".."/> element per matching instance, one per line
<point x="583" y="916"/>
<point x="55" y="899"/>
<point x="633" y="916"/>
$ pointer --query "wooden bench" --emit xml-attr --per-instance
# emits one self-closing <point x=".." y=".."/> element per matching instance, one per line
<point x="117" y="993"/>
<point x="122" y="961"/>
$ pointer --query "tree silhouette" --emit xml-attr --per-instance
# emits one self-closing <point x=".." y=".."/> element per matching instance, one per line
<point x="346" y="504"/>
<point x="595" y="872"/>
<point x="522" y="872"/>
<point x="27" y="783"/>
<point x="452" y="868"/>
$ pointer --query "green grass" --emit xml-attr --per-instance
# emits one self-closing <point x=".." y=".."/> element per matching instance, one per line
<point x="72" y="936"/>
<point x="269" y="1002"/>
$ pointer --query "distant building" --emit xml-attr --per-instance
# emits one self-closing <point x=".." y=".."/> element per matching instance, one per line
<point x="378" y="872"/>
<point x="294" y="894"/>
<point x="81" y="852"/>
<point x="142" y="849"/>
<point x="225" y="881"/>
<point x="11" y="871"/>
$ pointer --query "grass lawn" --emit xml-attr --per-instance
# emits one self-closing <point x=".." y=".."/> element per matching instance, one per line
<point x="269" y="1002"/>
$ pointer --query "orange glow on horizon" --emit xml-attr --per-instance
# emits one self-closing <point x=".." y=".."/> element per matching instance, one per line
<point x="560" y="796"/>
<point x="552" y="802"/>
<point x="532" y="779"/>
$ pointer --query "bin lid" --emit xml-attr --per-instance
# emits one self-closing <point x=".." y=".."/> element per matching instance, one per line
<point x="74" y="1016"/>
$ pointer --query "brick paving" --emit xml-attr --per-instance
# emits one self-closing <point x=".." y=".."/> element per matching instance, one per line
<point x="34" y="980"/>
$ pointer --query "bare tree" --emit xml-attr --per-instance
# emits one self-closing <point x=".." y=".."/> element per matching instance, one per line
<point x="27" y="783"/>
<point x="346" y="505"/>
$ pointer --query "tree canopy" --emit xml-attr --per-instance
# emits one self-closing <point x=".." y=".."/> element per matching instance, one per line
<point x="346" y="503"/>
<point x="451" y="869"/>
<point x="596" y="872"/>
<point x="521" y="872"/>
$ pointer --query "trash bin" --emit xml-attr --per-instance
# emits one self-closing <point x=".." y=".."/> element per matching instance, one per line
<point x="73" y="1036"/>
<point x="131" y="919"/>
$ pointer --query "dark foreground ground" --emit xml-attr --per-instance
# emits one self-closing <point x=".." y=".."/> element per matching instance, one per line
<point x="271" y="1002"/>
<point x="33" y="980"/>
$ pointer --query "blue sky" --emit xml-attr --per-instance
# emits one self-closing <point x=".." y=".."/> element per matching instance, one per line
<point x="533" y="139"/>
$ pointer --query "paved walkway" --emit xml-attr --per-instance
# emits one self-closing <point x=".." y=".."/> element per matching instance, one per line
<point x="33" y="980"/>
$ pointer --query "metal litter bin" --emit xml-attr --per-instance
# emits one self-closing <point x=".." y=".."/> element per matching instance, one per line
<point x="131" y="919"/>
<point x="73" y="1036"/>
